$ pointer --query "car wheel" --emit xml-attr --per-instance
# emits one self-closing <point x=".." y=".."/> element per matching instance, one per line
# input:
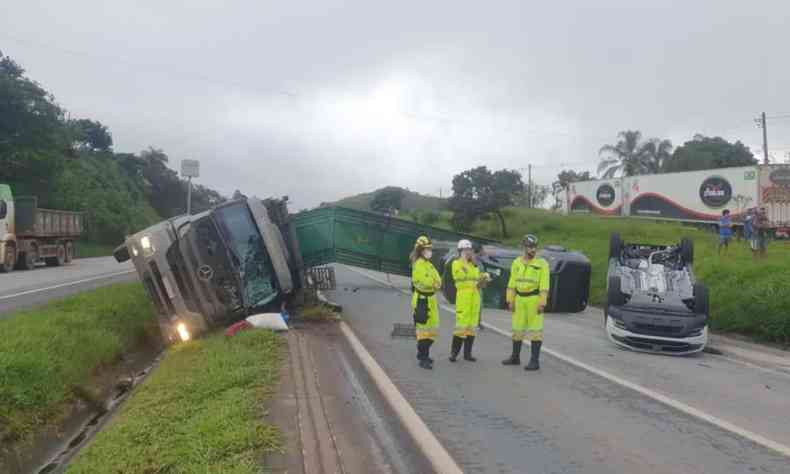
<point x="701" y="299"/>
<point x="687" y="250"/>
<point x="614" y="294"/>
<point x="615" y="246"/>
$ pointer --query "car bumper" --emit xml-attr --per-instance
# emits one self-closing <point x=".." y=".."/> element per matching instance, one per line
<point x="656" y="344"/>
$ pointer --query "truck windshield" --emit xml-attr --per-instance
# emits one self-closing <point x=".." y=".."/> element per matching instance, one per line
<point x="254" y="263"/>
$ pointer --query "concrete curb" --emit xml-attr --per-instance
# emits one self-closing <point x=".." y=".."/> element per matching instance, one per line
<point x="431" y="448"/>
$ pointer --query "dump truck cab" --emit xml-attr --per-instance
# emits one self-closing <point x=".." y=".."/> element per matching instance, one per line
<point x="209" y="269"/>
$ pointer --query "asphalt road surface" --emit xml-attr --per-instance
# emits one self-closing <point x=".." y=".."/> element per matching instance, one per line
<point x="592" y="408"/>
<point x="24" y="289"/>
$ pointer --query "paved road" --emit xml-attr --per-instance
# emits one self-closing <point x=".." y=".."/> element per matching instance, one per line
<point x="566" y="419"/>
<point x="23" y="289"/>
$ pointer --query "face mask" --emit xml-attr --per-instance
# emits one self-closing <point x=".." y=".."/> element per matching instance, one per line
<point x="427" y="254"/>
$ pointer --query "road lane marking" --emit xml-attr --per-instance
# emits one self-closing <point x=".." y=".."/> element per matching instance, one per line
<point x="659" y="397"/>
<point x="63" y="285"/>
<point x="425" y="440"/>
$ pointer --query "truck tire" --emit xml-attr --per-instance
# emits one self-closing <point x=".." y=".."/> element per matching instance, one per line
<point x="615" y="246"/>
<point x="59" y="258"/>
<point x="7" y="266"/>
<point x="27" y="261"/>
<point x="614" y="294"/>
<point x="701" y="299"/>
<point x="69" y="252"/>
<point x="687" y="250"/>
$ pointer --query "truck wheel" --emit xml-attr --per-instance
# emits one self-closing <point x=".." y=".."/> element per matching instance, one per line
<point x="614" y="294"/>
<point x="61" y="258"/>
<point x="27" y="260"/>
<point x="687" y="250"/>
<point x="615" y="246"/>
<point x="69" y="252"/>
<point x="7" y="265"/>
<point x="701" y="299"/>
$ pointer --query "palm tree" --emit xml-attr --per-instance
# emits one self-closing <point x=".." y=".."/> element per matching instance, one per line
<point x="632" y="156"/>
<point x="658" y="152"/>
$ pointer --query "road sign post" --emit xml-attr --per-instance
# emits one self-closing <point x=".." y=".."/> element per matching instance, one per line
<point x="190" y="169"/>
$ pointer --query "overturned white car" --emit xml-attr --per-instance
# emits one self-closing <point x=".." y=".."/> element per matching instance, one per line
<point x="654" y="303"/>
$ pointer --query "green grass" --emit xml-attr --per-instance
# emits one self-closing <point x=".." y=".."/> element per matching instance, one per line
<point x="201" y="411"/>
<point x="46" y="352"/>
<point x="747" y="296"/>
<point x="85" y="249"/>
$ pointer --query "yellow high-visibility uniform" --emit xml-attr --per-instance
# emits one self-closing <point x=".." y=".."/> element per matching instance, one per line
<point x="467" y="299"/>
<point x="527" y="289"/>
<point x="426" y="281"/>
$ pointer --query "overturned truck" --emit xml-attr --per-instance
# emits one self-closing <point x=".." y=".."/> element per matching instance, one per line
<point x="248" y="256"/>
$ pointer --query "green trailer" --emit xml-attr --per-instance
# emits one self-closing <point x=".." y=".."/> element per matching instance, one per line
<point x="367" y="240"/>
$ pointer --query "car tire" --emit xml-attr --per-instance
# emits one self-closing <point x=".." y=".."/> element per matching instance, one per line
<point x="615" y="246"/>
<point x="687" y="250"/>
<point x="701" y="299"/>
<point x="614" y="293"/>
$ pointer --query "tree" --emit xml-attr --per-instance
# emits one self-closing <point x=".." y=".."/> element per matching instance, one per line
<point x="91" y="135"/>
<point x="564" y="179"/>
<point x="387" y="199"/>
<point x="33" y="136"/>
<point x="478" y="192"/>
<point x="632" y="156"/>
<point x="709" y="153"/>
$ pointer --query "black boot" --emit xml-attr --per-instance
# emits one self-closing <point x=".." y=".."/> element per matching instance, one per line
<point x="515" y="358"/>
<point x="455" y="348"/>
<point x="422" y="353"/>
<point x="534" y="360"/>
<point x="428" y="350"/>
<point x="468" y="343"/>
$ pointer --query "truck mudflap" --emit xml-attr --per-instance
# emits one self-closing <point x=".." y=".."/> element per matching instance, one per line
<point x="275" y="244"/>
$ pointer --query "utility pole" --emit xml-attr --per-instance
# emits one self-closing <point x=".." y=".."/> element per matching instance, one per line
<point x="189" y="196"/>
<point x="529" y="183"/>
<point x="762" y="124"/>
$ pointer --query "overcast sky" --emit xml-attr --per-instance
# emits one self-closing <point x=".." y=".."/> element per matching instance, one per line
<point x="322" y="99"/>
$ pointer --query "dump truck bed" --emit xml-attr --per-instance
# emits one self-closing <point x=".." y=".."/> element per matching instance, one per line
<point x="35" y="222"/>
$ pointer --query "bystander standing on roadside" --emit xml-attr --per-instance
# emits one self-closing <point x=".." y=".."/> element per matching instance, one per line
<point x="748" y="226"/>
<point x="760" y="237"/>
<point x="725" y="231"/>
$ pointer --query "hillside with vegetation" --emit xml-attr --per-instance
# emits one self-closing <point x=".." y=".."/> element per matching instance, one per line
<point x="411" y="200"/>
<point x="70" y="164"/>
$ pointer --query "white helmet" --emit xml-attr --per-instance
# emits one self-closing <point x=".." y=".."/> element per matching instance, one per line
<point x="464" y="244"/>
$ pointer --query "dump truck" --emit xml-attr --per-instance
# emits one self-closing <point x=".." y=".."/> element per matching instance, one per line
<point x="690" y="196"/>
<point x="30" y="234"/>
<point x="249" y="255"/>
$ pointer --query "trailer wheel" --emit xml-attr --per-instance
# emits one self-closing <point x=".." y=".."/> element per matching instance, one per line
<point x="7" y="265"/>
<point x="69" y="252"/>
<point x="615" y="246"/>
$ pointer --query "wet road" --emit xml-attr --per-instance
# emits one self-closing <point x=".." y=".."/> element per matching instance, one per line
<point x="24" y="289"/>
<point x="565" y="419"/>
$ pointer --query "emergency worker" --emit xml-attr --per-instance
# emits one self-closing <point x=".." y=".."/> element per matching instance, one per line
<point x="468" y="280"/>
<point x="527" y="295"/>
<point x="425" y="281"/>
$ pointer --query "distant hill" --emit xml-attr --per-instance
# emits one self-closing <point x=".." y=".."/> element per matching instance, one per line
<point x="411" y="201"/>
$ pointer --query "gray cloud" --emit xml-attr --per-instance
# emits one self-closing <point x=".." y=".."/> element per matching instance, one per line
<point x="322" y="99"/>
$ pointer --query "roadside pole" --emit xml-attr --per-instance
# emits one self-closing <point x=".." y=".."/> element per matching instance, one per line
<point x="190" y="169"/>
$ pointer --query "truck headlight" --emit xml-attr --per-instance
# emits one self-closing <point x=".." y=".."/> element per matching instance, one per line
<point x="183" y="332"/>
<point x="134" y="250"/>
<point x="146" y="243"/>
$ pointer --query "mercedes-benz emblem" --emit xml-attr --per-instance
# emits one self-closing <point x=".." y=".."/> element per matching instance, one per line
<point x="205" y="272"/>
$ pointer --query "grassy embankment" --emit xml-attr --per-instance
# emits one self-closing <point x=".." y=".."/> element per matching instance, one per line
<point x="86" y="249"/>
<point x="46" y="352"/>
<point x="201" y="411"/>
<point x="747" y="296"/>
